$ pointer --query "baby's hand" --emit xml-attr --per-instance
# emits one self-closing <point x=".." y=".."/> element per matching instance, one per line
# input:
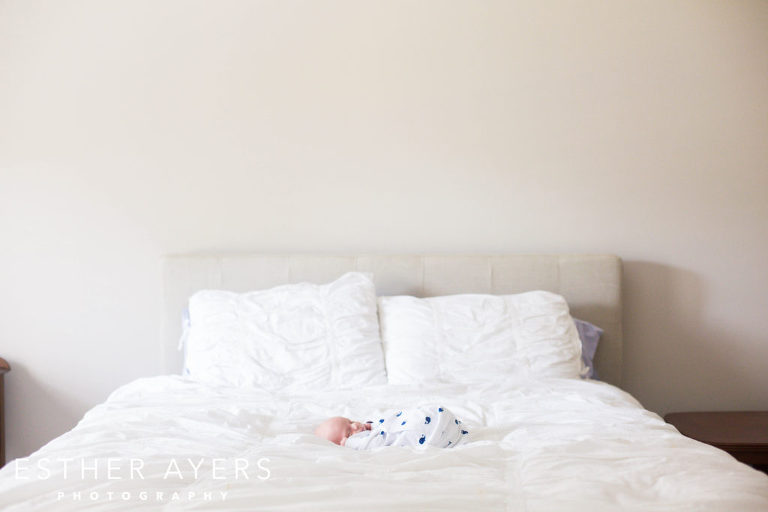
<point x="356" y="426"/>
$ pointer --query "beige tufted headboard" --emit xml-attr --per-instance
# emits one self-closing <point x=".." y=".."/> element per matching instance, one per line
<point x="590" y="283"/>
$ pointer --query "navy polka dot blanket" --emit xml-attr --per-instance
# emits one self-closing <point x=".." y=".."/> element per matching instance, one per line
<point x="422" y="426"/>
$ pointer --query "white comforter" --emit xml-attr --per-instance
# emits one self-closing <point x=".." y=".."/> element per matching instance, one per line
<point x="536" y="446"/>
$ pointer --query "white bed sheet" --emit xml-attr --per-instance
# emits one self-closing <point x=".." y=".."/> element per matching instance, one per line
<point x="548" y="445"/>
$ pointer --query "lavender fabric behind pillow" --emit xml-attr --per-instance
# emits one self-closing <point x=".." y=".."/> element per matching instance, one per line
<point x="590" y="337"/>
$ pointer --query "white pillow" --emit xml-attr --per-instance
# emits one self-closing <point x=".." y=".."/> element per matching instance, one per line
<point x="295" y="337"/>
<point x="478" y="338"/>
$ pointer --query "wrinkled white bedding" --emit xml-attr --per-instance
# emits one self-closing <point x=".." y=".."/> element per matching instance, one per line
<point x="546" y="445"/>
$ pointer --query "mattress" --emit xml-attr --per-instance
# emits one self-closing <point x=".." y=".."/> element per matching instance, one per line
<point x="170" y="443"/>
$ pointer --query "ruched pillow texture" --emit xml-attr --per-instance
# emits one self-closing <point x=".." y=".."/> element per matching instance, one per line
<point x="297" y="337"/>
<point x="478" y="338"/>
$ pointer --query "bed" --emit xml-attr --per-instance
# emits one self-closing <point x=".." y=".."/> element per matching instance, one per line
<point x="539" y="442"/>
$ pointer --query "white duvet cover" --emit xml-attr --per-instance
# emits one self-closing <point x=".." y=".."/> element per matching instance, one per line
<point x="546" y="445"/>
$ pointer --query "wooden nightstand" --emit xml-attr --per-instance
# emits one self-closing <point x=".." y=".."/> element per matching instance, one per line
<point x="4" y="368"/>
<point x="742" y="434"/>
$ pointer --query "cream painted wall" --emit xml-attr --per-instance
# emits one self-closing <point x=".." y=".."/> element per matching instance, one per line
<point x="133" y="129"/>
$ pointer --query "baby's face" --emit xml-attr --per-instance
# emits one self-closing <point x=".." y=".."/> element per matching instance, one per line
<point x="338" y="429"/>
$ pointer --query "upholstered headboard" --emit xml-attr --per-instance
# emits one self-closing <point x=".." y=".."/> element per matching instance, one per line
<point x="590" y="283"/>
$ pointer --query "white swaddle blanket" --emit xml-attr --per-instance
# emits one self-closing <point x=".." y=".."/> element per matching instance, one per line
<point x="423" y="426"/>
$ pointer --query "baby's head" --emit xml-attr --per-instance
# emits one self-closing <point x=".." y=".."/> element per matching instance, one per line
<point x="338" y="429"/>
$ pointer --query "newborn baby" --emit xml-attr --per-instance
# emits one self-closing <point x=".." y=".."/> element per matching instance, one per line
<point x="424" y="426"/>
